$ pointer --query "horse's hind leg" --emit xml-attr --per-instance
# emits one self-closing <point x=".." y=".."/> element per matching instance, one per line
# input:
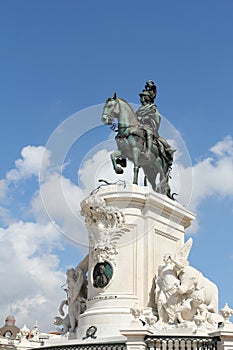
<point x="116" y="154"/>
<point x="135" y="174"/>
<point x="135" y="153"/>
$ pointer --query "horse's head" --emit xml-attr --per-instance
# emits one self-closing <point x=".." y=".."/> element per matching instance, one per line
<point x="111" y="110"/>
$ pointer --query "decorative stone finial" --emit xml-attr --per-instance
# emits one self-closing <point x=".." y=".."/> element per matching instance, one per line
<point x="24" y="332"/>
<point x="226" y="313"/>
<point x="136" y="312"/>
<point x="151" y="321"/>
<point x="35" y="332"/>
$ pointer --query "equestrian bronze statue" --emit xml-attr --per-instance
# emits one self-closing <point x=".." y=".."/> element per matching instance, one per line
<point x="138" y="139"/>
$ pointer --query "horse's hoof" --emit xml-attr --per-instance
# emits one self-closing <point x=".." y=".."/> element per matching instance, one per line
<point x="119" y="170"/>
<point x="121" y="162"/>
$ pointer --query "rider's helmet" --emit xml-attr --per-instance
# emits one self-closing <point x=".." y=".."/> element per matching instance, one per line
<point x="151" y="87"/>
<point x="148" y="94"/>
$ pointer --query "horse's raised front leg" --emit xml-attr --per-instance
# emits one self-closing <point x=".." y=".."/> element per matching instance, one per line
<point x="116" y="154"/>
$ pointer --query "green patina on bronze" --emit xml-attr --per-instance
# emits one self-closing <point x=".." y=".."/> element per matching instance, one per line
<point x="138" y="139"/>
<point x="102" y="274"/>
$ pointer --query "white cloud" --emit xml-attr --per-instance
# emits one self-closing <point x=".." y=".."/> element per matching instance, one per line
<point x="59" y="201"/>
<point x="100" y="167"/>
<point x="30" y="272"/>
<point x="212" y="176"/>
<point x="3" y="188"/>
<point x="5" y="216"/>
<point x="224" y="147"/>
<point x="29" y="263"/>
<point x="30" y="163"/>
<point x="182" y="183"/>
<point x="95" y="168"/>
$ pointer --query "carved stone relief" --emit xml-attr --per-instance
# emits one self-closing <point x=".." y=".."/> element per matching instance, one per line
<point x="106" y="225"/>
<point x="184" y="297"/>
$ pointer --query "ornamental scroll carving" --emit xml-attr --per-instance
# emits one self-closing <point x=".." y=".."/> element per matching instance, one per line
<point x="106" y="225"/>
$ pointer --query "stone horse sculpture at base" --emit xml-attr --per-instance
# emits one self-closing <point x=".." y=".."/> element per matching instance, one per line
<point x="131" y="142"/>
<point x="183" y="295"/>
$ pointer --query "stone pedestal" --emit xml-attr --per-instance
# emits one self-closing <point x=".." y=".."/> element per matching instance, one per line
<point x="225" y="335"/>
<point x="135" y="338"/>
<point x="153" y="226"/>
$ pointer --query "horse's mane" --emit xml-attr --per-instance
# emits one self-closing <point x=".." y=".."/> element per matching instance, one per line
<point x="122" y="99"/>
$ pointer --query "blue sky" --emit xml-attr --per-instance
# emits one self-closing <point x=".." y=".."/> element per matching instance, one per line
<point x="59" y="57"/>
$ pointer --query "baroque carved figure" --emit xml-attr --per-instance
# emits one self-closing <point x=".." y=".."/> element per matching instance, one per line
<point x="166" y="291"/>
<point x="76" y="295"/>
<point x="76" y="300"/>
<point x="183" y="295"/>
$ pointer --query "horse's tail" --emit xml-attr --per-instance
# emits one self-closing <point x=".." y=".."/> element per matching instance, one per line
<point x="151" y="173"/>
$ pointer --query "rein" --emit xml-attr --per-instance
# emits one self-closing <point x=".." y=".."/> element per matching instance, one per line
<point x="124" y="131"/>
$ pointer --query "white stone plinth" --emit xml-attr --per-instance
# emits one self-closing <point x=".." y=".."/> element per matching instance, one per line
<point x="155" y="226"/>
<point x="225" y="334"/>
<point x="135" y="338"/>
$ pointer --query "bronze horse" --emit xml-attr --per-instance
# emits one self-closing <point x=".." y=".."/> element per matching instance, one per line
<point x="131" y="144"/>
